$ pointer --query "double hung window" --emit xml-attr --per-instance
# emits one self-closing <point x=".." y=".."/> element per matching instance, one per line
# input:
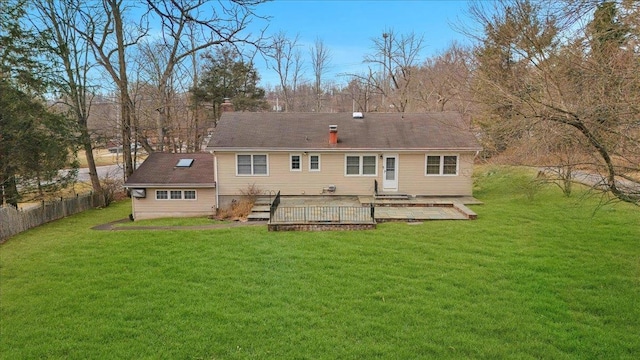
<point x="295" y="162"/>
<point x="364" y="165"/>
<point x="314" y="162"/>
<point x="254" y="164"/>
<point x="162" y="195"/>
<point x="442" y="165"/>
<point x="189" y="194"/>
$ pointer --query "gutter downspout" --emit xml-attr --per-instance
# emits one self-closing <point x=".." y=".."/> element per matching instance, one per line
<point x="133" y="206"/>
<point x="215" y="179"/>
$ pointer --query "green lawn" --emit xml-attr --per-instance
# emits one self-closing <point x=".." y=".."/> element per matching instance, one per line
<point x="191" y="221"/>
<point x="545" y="278"/>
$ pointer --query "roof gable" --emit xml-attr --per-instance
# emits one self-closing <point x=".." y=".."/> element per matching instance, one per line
<point x="300" y="131"/>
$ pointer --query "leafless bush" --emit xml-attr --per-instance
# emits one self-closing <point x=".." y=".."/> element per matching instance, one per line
<point x="527" y="186"/>
<point x="112" y="187"/>
<point x="251" y="192"/>
<point x="240" y="209"/>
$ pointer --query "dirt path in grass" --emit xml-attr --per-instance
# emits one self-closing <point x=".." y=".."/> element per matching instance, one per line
<point x="113" y="226"/>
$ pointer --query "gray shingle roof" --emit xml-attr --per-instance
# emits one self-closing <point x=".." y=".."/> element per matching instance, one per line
<point x="159" y="169"/>
<point x="310" y="131"/>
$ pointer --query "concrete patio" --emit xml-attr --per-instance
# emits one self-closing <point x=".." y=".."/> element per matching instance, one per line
<point x="411" y="209"/>
<point x="418" y="213"/>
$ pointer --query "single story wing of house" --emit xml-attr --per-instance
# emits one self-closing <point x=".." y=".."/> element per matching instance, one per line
<point x="418" y="154"/>
<point x="173" y="185"/>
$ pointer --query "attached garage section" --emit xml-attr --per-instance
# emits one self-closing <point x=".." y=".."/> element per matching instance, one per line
<point x="150" y="203"/>
<point x="173" y="185"/>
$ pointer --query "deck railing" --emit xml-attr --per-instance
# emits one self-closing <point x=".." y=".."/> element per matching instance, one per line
<point x="274" y="205"/>
<point x="323" y="214"/>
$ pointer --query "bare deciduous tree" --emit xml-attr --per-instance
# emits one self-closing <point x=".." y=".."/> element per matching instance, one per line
<point x="397" y="57"/>
<point x="73" y="52"/>
<point x="361" y="91"/>
<point x="443" y="82"/>
<point x="105" y="28"/>
<point x="541" y="72"/>
<point x="286" y="60"/>
<point x="189" y="27"/>
<point x="320" y="58"/>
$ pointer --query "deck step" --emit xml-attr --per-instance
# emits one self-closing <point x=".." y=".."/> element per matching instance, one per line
<point x="261" y="210"/>
<point x="259" y="216"/>
<point x="262" y="201"/>
<point x="468" y="213"/>
<point x="392" y="197"/>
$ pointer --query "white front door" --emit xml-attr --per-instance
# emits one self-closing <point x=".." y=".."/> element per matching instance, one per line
<point x="390" y="173"/>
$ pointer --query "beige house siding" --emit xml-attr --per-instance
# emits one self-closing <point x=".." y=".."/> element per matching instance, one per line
<point x="412" y="178"/>
<point x="150" y="208"/>
<point x="303" y="182"/>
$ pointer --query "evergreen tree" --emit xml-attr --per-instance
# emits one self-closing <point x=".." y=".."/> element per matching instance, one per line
<point x="34" y="142"/>
<point x="227" y="75"/>
<point x="607" y="33"/>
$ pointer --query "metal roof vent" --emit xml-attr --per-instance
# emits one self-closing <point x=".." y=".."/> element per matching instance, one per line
<point x="358" y="115"/>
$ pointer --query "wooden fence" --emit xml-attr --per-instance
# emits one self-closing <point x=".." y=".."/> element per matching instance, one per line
<point x="14" y="221"/>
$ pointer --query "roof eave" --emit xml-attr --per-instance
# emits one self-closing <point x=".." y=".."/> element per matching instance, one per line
<point x="157" y="185"/>
<point x="340" y="149"/>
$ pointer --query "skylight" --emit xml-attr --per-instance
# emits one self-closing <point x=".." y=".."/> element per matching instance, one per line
<point x="184" y="163"/>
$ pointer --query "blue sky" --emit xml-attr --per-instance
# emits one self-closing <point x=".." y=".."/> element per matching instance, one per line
<point x="347" y="27"/>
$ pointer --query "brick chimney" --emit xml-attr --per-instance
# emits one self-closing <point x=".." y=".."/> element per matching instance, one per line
<point x="226" y="106"/>
<point x="333" y="134"/>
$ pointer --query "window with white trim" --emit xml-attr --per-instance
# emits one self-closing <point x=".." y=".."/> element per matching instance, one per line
<point x="369" y="165"/>
<point x="175" y="195"/>
<point x="295" y="162"/>
<point x="363" y="165"/>
<point x="441" y="165"/>
<point x="314" y="162"/>
<point x="449" y="165"/>
<point x="252" y="164"/>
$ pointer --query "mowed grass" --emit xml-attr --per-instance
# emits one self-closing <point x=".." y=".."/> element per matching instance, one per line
<point x="547" y="278"/>
<point x="189" y="221"/>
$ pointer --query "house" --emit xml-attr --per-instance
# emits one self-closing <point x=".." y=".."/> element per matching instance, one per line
<point x="173" y="185"/>
<point x="425" y="154"/>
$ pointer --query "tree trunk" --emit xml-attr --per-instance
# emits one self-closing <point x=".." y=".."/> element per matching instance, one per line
<point x="125" y="122"/>
<point x="91" y="163"/>
<point x="125" y="99"/>
<point x="10" y="189"/>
